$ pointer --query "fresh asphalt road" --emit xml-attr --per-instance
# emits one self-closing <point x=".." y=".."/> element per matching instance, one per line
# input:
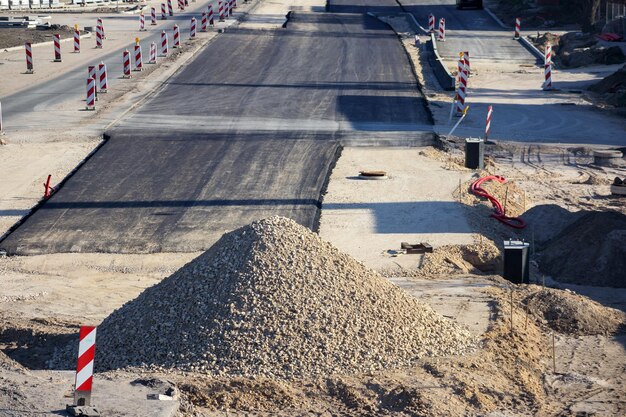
<point x="249" y="129"/>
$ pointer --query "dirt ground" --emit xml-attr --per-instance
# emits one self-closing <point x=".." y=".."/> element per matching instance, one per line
<point x="17" y="36"/>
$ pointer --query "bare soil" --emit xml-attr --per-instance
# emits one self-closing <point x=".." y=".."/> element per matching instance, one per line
<point x="10" y="37"/>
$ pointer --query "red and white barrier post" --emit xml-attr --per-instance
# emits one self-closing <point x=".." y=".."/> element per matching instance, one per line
<point x="101" y="24"/>
<point x="142" y="22"/>
<point x="181" y="5"/>
<point x="84" y="368"/>
<point x="170" y="9"/>
<point x="220" y="10"/>
<point x="29" y="58"/>
<point x="138" y="60"/>
<point x="164" y="44"/>
<point x="163" y="12"/>
<point x="488" y="124"/>
<point x="91" y="94"/>
<point x="47" y="190"/>
<point x="57" y="47"/>
<point x="462" y="91"/>
<point x="176" y="37"/>
<point x="126" y="63"/>
<point x="431" y="23"/>
<point x="518" y="25"/>
<point x="76" y="39"/>
<point x="103" y="83"/>
<point x="466" y="63"/>
<point x="153" y="53"/>
<point x="210" y="16"/>
<point x="99" y="35"/>
<point x="230" y="7"/>
<point x="547" y="84"/>
<point x="153" y="16"/>
<point x="460" y="67"/>
<point x="92" y="73"/>
<point x="192" y="29"/>
<point x="203" y="22"/>
<point x="442" y="30"/>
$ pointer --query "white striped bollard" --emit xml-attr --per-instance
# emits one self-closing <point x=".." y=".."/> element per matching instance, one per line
<point x="442" y="30"/>
<point x="462" y="92"/>
<point x="153" y="53"/>
<point x="518" y="25"/>
<point x="547" y="84"/>
<point x="431" y="23"/>
<point x="181" y="5"/>
<point x="234" y="4"/>
<point x="164" y="44"/>
<point x="192" y="28"/>
<point x="99" y="36"/>
<point x="170" y="8"/>
<point x="142" y="22"/>
<point x="163" y="12"/>
<point x="210" y="16"/>
<point x="57" y="47"/>
<point x="460" y="67"/>
<point x="203" y="27"/>
<point x="92" y="73"/>
<point x="91" y="94"/>
<point x="29" y="58"/>
<point x="103" y="83"/>
<point x="176" y="37"/>
<point x="220" y="10"/>
<point x="466" y="62"/>
<point x="153" y="19"/>
<point x="84" y="368"/>
<point x="230" y="7"/>
<point x="488" y="123"/>
<point x="76" y="40"/>
<point x="126" y="63"/>
<point x="101" y="24"/>
<point x="138" y="57"/>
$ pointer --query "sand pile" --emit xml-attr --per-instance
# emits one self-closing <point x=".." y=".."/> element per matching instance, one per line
<point x="453" y="259"/>
<point x="590" y="251"/>
<point x="273" y="299"/>
<point x="570" y="313"/>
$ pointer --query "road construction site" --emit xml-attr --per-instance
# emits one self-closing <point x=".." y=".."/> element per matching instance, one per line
<point x="237" y="221"/>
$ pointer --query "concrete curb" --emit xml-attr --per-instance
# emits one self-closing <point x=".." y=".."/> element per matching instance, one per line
<point x="446" y="80"/>
<point x="85" y="35"/>
<point x="526" y="43"/>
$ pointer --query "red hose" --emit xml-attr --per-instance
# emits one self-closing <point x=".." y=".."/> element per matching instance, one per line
<point x="498" y="214"/>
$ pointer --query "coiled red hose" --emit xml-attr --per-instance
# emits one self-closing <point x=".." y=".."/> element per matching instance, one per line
<point x="498" y="214"/>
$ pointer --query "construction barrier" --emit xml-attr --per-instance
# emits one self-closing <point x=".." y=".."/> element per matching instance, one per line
<point x="547" y="84"/>
<point x="101" y="24"/>
<point x="192" y="28"/>
<point x="126" y="63"/>
<point x="99" y="35"/>
<point x="176" y="37"/>
<point x="488" y="123"/>
<point x="142" y="22"/>
<point x="29" y="58"/>
<point x="153" y="18"/>
<point x="170" y="9"/>
<point x="57" y="47"/>
<point x="91" y="94"/>
<point x="84" y="367"/>
<point x="462" y="90"/>
<point x="466" y="62"/>
<point x="210" y="16"/>
<point x="164" y="44"/>
<point x="91" y="73"/>
<point x="431" y="23"/>
<point x="76" y="39"/>
<point x="442" y="30"/>
<point x="163" y="12"/>
<point x="102" y="77"/>
<point x="518" y="25"/>
<point x="220" y="10"/>
<point x="203" y="22"/>
<point x="153" y="53"/>
<point x="138" y="56"/>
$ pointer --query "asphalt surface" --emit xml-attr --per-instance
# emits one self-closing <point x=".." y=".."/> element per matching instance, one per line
<point x="249" y="129"/>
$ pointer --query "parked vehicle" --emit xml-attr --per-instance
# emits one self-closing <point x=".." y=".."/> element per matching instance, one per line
<point x="469" y="3"/>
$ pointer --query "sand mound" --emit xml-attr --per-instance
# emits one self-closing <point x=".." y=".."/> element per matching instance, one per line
<point x="273" y="299"/>
<point x="590" y="251"/>
<point x="453" y="259"/>
<point x="570" y="313"/>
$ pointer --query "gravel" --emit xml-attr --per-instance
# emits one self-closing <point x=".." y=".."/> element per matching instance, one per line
<point x="272" y="299"/>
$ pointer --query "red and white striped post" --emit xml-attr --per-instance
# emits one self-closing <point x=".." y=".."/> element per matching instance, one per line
<point x="431" y="23"/>
<point x="230" y="7"/>
<point x="181" y="5"/>
<point x="99" y="35"/>
<point x="192" y="29"/>
<point x="163" y="12"/>
<point x="170" y="9"/>
<point x="442" y="30"/>
<point x="518" y="25"/>
<point x="164" y="44"/>
<point x="210" y="15"/>
<point x="153" y="16"/>
<point x="76" y="39"/>
<point x="102" y="77"/>
<point x="92" y="73"/>
<point x="57" y="47"/>
<point x="91" y="94"/>
<point x="466" y="62"/>
<point x="462" y="92"/>
<point x="142" y="22"/>
<point x="138" y="60"/>
<point x="29" y="58"/>
<point x="547" y="84"/>
<point x="203" y="22"/>
<point x="488" y="124"/>
<point x="126" y="63"/>
<point x="460" y="67"/>
<point x="220" y="10"/>
<point x="47" y="190"/>
<point x="153" y="53"/>
<point x="176" y="37"/>
<point x="84" y="368"/>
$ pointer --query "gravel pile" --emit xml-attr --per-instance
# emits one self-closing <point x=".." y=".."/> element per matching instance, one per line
<point x="272" y="299"/>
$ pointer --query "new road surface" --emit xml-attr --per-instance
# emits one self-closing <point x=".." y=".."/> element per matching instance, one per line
<point x="249" y="129"/>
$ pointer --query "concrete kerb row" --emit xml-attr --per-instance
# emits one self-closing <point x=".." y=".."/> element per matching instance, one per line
<point x="446" y="80"/>
<point x="84" y="35"/>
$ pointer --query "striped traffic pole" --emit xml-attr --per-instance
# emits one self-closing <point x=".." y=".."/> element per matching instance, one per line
<point x="57" y="47"/>
<point x="229" y="8"/>
<point x="102" y="77"/>
<point x="203" y="22"/>
<point x="99" y="35"/>
<point x="170" y="9"/>
<point x="488" y="124"/>
<point x="181" y="5"/>
<point x="234" y="4"/>
<point x="91" y="69"/>
<point x="466" y="63"/>
<point x="138" y="61"/>
<point x="84" y="368"/>
<point x="547" y="84"/>
<point x="220" y="10"/>
<point x="142" y="22"/>
<point x="29" y="58"/>
<point x="462" y="92"/>
<point x="431" y="23"/>
<point x="101" y="24"/>
<point x="153" y="53"/>
<point x="164" y="45"/>
<point x="126" y="63"/>
<point x="210" y="16"/>
<point x="518" y="25"/>
<point x="192" y="28"/>
<point x="442" y="30"/>
<point x="176" y="37"/>
<point x="91" y="94"/>
<point x="153" y="16"/>
<point x="76" y="39"/>
<point x="460" y="67"/>
<point x="163" y="12"/>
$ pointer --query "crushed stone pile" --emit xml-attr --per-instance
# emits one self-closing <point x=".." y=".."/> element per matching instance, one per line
<point x="454" y="259"/>
<point x="590" y="251"/>
<point x="570" y="313"/>
<point x="272" y="299"/>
